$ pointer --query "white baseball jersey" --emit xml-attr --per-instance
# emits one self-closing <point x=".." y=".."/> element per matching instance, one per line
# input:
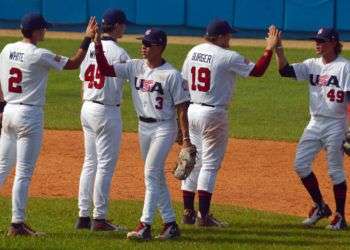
<point x="327" y="85"/>
<point x="211" y="73"/>
<point x="156" y="91"/>
<point x="107" y="90"/>
<point x="24" y="70"/>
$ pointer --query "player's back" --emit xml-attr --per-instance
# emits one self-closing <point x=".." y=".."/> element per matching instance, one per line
<point x="210" y="71"/>
<point x="107" y="90"/>
<point x="24" y="71"/>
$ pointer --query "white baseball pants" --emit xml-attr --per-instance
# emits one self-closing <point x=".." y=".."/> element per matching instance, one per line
<point x="102" y="128"/>
<point x="327" y="133"/>
<point x="209" y="133"/>
<point x="20" y="142"/>
<point x="156" y="140"/>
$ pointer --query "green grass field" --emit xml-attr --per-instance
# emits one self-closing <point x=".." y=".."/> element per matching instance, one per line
<point x="263" y="108"/>
<point x="248" y="229"/>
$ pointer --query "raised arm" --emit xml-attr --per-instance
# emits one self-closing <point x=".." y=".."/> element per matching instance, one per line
<point x="75" y="61"/>
<point x="264" y="61"/>
<point x="105" y="68"/>
<point x="284" y="68"/>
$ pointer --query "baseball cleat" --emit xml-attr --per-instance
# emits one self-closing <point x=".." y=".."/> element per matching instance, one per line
<point x="83" y="223"/>
<point x="338" y="223"/>
<point x="189" y="217"/>
<point x="22" y="229"/>
<point x="170" y="231"/>
<point x="317" y="213"/>
<point x="209" y="221"/>
<point x="105" y="225"/>
<point x="141" y="232"/>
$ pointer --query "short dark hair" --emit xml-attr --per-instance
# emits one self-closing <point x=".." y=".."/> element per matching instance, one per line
<point x="106" y="28"/>
<point x="27" y="33"/>
<point x="338" y="48"/>
<point x="211" y="39"/>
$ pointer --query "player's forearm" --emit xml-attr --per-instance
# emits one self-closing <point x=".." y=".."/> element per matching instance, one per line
<point x="105" y="68"/>
<point x="262" y="64"/>
<point x="280" y="58"/>
<point x="75" y="61"/>
<point x="284" y="68"/>
<point x="183" y="122"/>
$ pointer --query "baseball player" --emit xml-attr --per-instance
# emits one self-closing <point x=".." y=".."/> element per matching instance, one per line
<point x="102" y="125"/>
<point x="210" y="70"/>
<point x="23" y="75"/>
<point x="329" y="83"/>
<point x="158" y="92"/>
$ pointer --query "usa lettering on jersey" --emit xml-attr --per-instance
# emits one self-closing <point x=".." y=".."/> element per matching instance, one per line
<point x="148" y="86"/>
<point x="324" y="80"/>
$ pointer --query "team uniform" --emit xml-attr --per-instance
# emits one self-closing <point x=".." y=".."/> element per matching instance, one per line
<point x="102" y="126"/>
<point x="155" y="92"/>
<point x="23" y="75"/>
<point x="211" y="73"/>
<point x="328" y="84"/>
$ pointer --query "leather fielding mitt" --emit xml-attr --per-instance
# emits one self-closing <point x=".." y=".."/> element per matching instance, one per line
<point x="185" y="162"/>
<point x="346" y="144"/>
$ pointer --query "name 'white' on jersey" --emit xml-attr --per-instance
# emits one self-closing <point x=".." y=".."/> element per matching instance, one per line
<point x="328" y="84"/>
<point x="211" y="73"/>
<point x="155" y="91"/>
<point x="24" y="70"/>
<point x="107" y="90"/>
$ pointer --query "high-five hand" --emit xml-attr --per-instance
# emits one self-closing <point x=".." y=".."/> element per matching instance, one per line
<point x="273" y="37"/>
<point x="90" y="28"/>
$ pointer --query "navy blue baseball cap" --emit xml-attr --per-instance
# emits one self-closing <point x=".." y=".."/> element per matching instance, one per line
<point x="113" y="16"/>
<point x="34" y="21"/>
<point x="219" y="27"/>
<point x="154" y="36"/>
<point x="327" y="35"/>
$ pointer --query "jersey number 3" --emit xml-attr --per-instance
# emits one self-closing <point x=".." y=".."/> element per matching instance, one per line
<point x="202" y="76"/>
<point x="15" y="80"/>
<point x="91" y="76"/>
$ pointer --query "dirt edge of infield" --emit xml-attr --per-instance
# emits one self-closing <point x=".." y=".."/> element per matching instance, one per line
<point x="256" y="174"/>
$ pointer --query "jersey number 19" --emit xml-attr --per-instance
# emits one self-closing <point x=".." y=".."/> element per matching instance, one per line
<point x="200" y="79"/>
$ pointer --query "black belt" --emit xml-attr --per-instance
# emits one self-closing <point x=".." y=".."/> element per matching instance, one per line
<point x="203" y="104"/>
<point x="101" y="103"/>
<point x="149" y="119"/>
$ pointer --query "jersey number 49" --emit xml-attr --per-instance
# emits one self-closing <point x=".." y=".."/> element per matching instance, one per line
<point x="94" y="77"/>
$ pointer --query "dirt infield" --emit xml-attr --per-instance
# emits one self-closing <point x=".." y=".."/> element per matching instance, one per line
<point x="177" y="39"/>
<point x="255" y="173"/>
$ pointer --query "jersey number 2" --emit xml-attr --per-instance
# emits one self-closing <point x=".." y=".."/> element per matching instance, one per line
<point x="91" y="76"/>
<point x="203" y="78"/>
<point x="15" y="80"/>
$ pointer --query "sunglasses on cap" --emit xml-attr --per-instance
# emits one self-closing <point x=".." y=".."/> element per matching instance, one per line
<point x="148" y="44"/>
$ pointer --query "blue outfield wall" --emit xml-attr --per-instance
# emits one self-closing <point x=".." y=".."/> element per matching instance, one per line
<point x="297" y="18"/>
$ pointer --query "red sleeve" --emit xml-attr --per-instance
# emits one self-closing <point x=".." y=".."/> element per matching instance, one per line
<point x="262" y="64"/>
<point x="103" y="65"/>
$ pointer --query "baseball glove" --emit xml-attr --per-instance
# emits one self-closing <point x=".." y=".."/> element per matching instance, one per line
<point x="185" y="162"/>
<point x="346" y="143"/>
